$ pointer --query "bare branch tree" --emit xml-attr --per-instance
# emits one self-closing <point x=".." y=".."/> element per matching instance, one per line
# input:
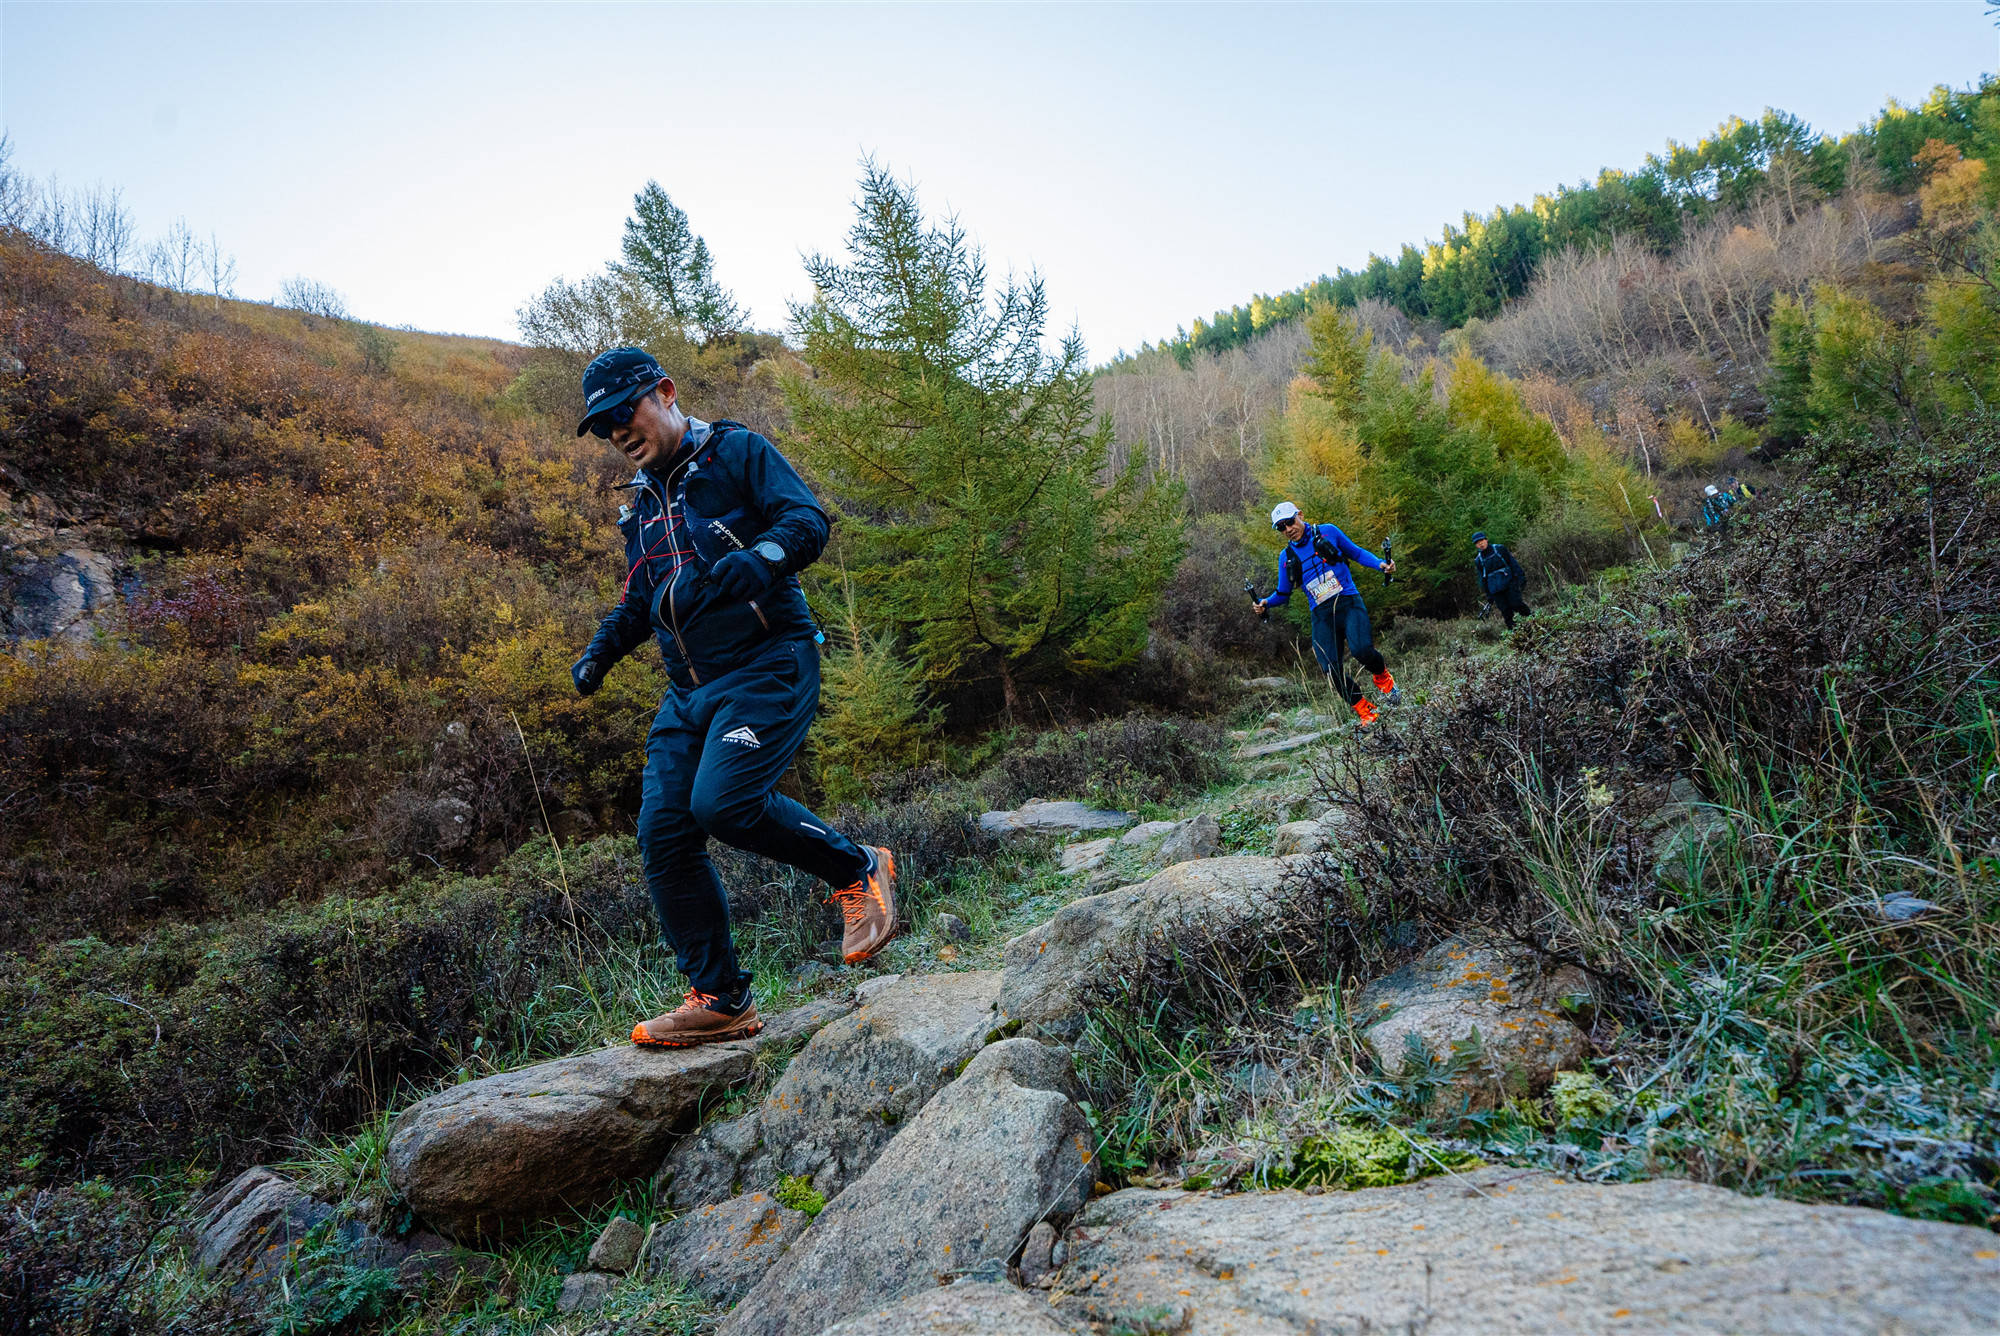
<point x="17" y="189"/>
<point x="104" y="228"/>
<point x="220" y="270"/>
<point x="313" y="298"/>
<point x="54" y="223"/>
<point x="173" y="260"/>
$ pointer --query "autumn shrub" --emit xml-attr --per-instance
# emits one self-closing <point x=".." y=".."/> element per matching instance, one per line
<point x="1125" y="762"/>
<point x="224" y="1044"/>
<point x="352" y="600"/>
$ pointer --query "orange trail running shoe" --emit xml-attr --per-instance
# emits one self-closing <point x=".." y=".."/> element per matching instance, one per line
<point x="1385" y="683"/>
<point x="869" y="906"/>
<point x="701" y="1018"/>
<point x="1365" y="712"/>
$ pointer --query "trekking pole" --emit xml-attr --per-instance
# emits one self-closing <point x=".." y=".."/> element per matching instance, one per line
<point x="1388" y="555"/>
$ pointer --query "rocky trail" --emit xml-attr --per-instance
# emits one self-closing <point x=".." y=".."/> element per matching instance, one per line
<point x="919" y="1159"/>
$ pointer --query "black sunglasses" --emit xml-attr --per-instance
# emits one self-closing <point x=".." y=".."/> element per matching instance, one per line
<point x="601" y="425"/>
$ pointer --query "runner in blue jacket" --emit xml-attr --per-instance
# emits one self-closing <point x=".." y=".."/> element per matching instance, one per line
<point x="719" y="526"/>
<point x="1316" y="559"/>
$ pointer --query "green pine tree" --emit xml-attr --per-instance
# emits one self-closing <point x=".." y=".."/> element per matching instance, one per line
<point x="970" y="464"/>
<point x="662" y="251"/>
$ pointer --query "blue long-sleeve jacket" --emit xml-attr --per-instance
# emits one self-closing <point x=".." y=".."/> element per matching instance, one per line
<point x="1313" y="567"/>
<point x="728" y="489"/>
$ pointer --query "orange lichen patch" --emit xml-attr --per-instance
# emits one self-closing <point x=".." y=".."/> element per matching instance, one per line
<point x="1622" y="1312"/>
<point x="763" y="1229"/>
<point x="1986" y="1254"/>
<point x="1416" y="1226"/>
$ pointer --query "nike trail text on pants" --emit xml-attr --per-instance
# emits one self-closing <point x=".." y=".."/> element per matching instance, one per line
<point x="713" y="760"/>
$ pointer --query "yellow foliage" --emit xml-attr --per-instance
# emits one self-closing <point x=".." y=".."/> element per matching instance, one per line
<point x="1480" y="397"/>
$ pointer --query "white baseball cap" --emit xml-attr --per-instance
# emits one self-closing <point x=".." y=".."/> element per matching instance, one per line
<point x="1283" y="513"/>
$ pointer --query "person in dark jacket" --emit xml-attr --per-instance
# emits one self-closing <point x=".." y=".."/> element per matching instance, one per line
<point x="1500" y="577"/>
<point x="719" y="526"/>
<point x="1316" y="559"/>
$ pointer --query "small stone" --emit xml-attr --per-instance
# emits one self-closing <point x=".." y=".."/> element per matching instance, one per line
<point x="1196" y="837"/>
<point x="585" y="1291"/>
<point x="1263" y="683"/>
<point x="1059" y="1254"/>
<point x="1036" y="1253"/>
<point x="812" y="974"/>
<point x="1148" y="832"/>
<point x="617" y="1248"/>
<point x="953" y="927"/>
<point x="1087" y="856"/>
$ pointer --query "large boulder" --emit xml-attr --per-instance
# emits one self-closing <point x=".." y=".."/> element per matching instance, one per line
<point x="1507" y="1250"/>
<point x="999" y="1149"/>
<point x="969" y="1308"/>
<point x="1039" y="818"/>
<point x="846" y="1093"/>
<point x="1498" y="1008"/>
<point x="719" y="1251"/>
<point x="483" y="1159"/>
<point x="1051" y="972"/>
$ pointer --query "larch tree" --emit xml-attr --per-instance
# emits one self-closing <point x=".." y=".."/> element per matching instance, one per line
<point x="983" y="524"/>
<point x="662" y="251"/>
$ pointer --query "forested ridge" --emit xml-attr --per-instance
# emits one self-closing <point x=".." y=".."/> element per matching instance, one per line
<point x="1482" y="262"/>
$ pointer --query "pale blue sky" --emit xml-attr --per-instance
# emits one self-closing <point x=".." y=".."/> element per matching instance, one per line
<point x="440" y="163"/>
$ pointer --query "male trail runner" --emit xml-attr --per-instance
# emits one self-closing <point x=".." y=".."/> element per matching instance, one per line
<point x="721" y="524"/>
<point x="1315" y="560"/>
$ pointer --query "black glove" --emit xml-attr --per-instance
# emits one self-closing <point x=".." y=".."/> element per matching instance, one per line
<point x="741" y="575"/>
<point x="588" y="674"/>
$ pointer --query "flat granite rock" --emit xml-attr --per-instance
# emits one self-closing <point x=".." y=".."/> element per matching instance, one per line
<point x="1039" y="818"/>
<point x="1521" y="1251"/>
<point x="966" y="1309"/>
<point x="1281" y="746"/>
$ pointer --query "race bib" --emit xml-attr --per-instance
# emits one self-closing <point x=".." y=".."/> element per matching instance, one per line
<point x="1322" y="587"/>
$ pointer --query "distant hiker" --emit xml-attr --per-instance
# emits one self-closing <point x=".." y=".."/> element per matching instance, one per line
<point x="1315" y="560"/>
<point x="1715" y="508"/>
<point x="1742" y="491"/>
<point x="720" y="528"/>
<point x="1500" y="578"/>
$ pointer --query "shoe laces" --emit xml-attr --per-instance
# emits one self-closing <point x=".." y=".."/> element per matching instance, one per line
<point x="854" y="901"/>
<point x="696" y="1000"/>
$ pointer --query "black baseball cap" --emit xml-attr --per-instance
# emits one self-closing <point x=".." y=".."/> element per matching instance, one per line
<point x="614" y="378"/>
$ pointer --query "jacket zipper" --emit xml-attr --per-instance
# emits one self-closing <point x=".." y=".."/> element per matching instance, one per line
<point x="673" y="579"/>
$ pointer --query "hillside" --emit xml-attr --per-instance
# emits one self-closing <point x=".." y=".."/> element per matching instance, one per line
<point x="1639" y="963"/>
